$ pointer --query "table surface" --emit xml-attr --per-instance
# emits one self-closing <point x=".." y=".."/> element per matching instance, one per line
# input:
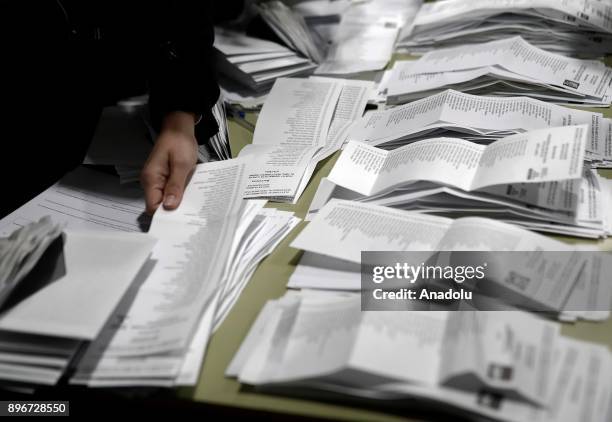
<point x="269" y="281"/>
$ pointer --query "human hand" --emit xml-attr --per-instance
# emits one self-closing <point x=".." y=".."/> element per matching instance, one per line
<point x="170" y="163"/>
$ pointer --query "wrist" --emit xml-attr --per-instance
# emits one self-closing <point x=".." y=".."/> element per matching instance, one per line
<point x="180" y="121"/>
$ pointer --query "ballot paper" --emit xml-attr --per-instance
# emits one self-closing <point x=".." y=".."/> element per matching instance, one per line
<point x="478" y="118"/>
<point x="84" y="199"/>
<point x="507" y="67"/>
<point x="359" y="48"/>
<point x="302" y="122"/>
<point x="365" y="38"/>
<point x="327" y="337"/>
<point x="537" y="156"/>
<point x="574" y="376"/>
<point x="202" y="227"/>
<point x="573" y="28"/>
<point x="572" y="207"/>
<point x="351" y="228"/>
<point x="207" y="250"/>
<point x="571" y="393"/>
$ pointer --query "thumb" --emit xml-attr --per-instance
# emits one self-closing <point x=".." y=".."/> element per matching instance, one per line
<point x="173" y="192"/>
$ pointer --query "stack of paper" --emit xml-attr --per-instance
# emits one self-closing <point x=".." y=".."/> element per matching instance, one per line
<point x="580" y="28"/>
<point x="219" y="142"/>
<point x="479" y="119"/>
<point x="365" y="39"/>
<point x="65" y="300"/>
<point x="495" y="365"/>
<point x="523" y="179"/>
<point x="302" y="122"/>
<point x="508" y="67"/>
<point x="291" y="29"/>
<point x="249" y="66"/>
<point x="333" y="261"/>
<point x="188" y="240"/>
<point x="206" y="252"/>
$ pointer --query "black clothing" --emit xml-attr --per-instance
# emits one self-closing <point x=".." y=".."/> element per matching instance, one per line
<point x="62" y="61"/>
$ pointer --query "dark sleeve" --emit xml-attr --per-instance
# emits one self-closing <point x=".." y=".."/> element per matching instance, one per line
<point x="182" y="70"/>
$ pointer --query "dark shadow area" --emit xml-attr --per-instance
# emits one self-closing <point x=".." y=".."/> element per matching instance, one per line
<point x="50" y="267"/>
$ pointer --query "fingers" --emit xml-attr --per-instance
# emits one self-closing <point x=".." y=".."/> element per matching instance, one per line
<point x="180" y="172"/>
<point x="168" y="169"/>
<point x="153" y="183"/>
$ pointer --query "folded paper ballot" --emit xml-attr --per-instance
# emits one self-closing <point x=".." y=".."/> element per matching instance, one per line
<point x="572" y="207"/>
<point x="324" y="344"/>
<point x="537" y="156"/>
<point x="440" y="345"/>
<point x="508" y="67"/>
<point x="302" y="122"/>
<point x="479" y="119"/>
<point x="572" y="28"/>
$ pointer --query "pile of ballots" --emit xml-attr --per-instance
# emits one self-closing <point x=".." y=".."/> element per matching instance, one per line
<point x="565" y="282"/>
<point x="578" y="28"/>
<point x="248" y="66"/>
<point x="59" y="287"/>
<point x="326" y="346"/>
<point x="480" y="119"/>
<point x="302" y="122"/>
<point x="536" y="180"/>
<point x="121" y="307"/>
<point x="505" y="67"/>
<point x="205" y="255"/>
